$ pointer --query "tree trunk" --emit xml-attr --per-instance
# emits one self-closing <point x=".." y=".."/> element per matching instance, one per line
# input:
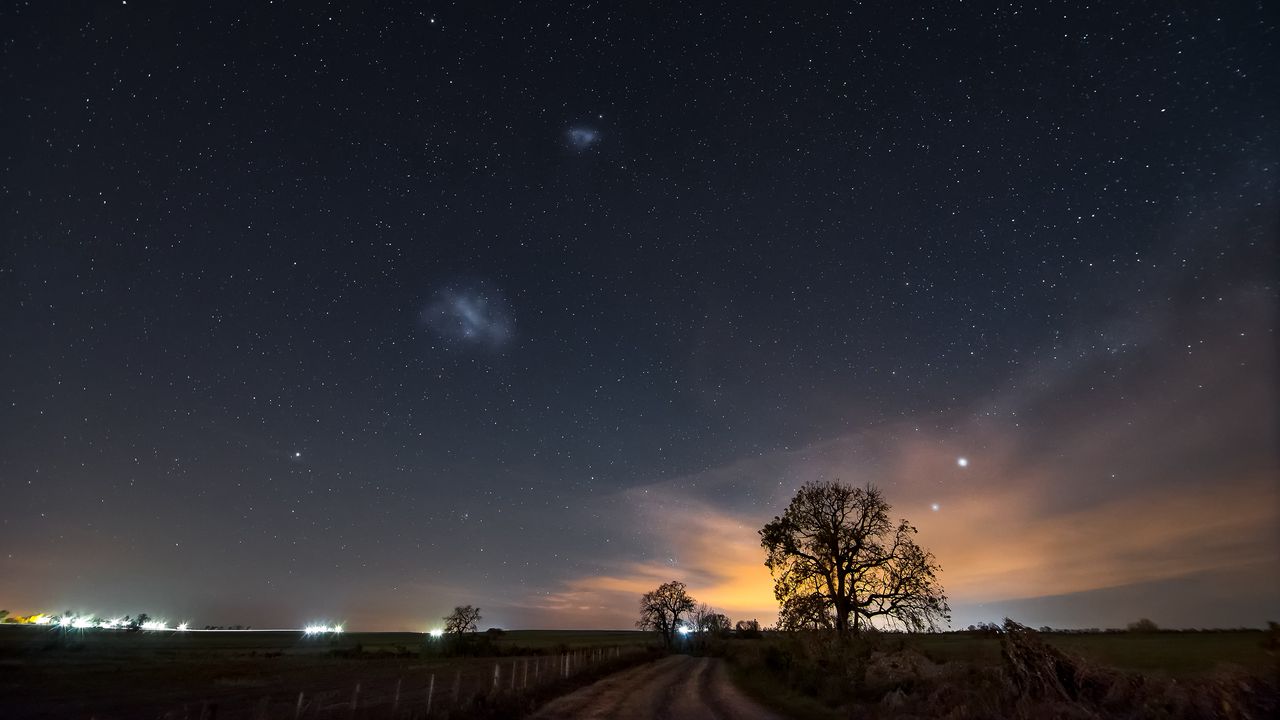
<point x="842" y="615"/>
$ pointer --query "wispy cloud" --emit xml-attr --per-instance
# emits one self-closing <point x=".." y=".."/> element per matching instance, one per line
<point x="1097" y="473"/>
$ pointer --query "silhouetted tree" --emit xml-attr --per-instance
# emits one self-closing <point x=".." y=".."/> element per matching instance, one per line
<point x="706" y="620"/>
<point x="717" y="624"/>
<point x="4" y="615"/>
<point x="1143" y="625"/>
<point x="661" y="609"/>
<point x="836" y="543"/>
<point x="747" y="629"/>
<point x="462" y="620"/>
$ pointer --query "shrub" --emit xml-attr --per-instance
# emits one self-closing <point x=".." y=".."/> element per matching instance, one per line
<point x="1143" y="625"/>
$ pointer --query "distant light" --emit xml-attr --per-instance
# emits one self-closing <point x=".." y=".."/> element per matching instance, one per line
<point x="154" y="625"/>
<point x="42" y="620"/>
<point x="436" y="632"/>
<point x="81" y="623"/>
<point x="935" y="507"/>
<point x="685" y="629"/>
<point x="182" y="627"/>
<point x="321" y="629"/>
<point x="962" y="462"/>
<point x="297" y="454"/>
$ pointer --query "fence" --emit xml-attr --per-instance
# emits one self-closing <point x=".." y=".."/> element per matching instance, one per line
<point x="417" y="691"/>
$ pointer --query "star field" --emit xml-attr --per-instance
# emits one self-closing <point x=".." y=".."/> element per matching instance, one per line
<point x="364" y="313"/>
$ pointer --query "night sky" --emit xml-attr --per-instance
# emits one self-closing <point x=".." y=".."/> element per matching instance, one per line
<point x="322" y="312"/>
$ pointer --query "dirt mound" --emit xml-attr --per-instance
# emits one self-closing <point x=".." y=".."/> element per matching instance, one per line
<point x="900" y="668"/>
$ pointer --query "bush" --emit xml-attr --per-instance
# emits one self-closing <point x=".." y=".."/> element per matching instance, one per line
<point x="1143" y="625"/>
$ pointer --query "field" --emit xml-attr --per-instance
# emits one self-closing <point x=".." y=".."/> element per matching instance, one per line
<point x="1161" y="653"/>
<point x="200" y="675"/>
<point x="47" y="673"/>
<point x="1014" y="674"/>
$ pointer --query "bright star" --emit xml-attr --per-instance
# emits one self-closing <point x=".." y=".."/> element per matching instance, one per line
<point x="935" y="507"/>
<point x="962" y="462"/>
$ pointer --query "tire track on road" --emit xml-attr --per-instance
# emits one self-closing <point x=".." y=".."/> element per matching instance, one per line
<point x="673" y="688"/>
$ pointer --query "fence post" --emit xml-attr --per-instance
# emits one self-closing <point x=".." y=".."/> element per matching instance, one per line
<point x="431" y="691"/>
<point x="355" y="699"/>
<point x="297" y="710"/>
<point x="495" y="677"/>
<point x="395" y="705"/>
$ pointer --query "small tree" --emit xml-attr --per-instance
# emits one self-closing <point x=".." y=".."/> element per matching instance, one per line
<point x="661" y="609"/>
<point x="747" y="629"/>
<point x="718" y="624"/>
<point x="462" y="620"/>
<point x="1143" y="625"/>
<point x="706" y="620"/>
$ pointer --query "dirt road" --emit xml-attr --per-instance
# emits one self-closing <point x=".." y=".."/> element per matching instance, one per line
<point x="674" y="688"/>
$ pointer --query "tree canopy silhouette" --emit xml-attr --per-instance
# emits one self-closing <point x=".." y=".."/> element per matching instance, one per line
<point x="661" y="609"/>
<point x="834" y="550"/>
<point x="463" y="619"/>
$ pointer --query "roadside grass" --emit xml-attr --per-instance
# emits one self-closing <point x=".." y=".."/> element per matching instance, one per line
<point x="748" y="672"/>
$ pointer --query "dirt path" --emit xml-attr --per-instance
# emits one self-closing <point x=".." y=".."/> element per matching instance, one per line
<point x="675" y="687"/>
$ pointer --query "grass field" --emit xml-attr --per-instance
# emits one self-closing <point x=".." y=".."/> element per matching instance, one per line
<point x="46" y="673"/>
<point x="1164" y="653"/>
<point x="1193" y="674"/>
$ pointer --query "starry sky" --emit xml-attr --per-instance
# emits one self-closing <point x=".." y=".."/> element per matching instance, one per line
<point x="351" y="313"/>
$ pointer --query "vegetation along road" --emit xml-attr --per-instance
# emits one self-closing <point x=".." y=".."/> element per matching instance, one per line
<point x="678" y="686"/>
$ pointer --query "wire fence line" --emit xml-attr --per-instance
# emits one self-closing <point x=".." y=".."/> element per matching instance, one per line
<point x="419" y="692"/>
